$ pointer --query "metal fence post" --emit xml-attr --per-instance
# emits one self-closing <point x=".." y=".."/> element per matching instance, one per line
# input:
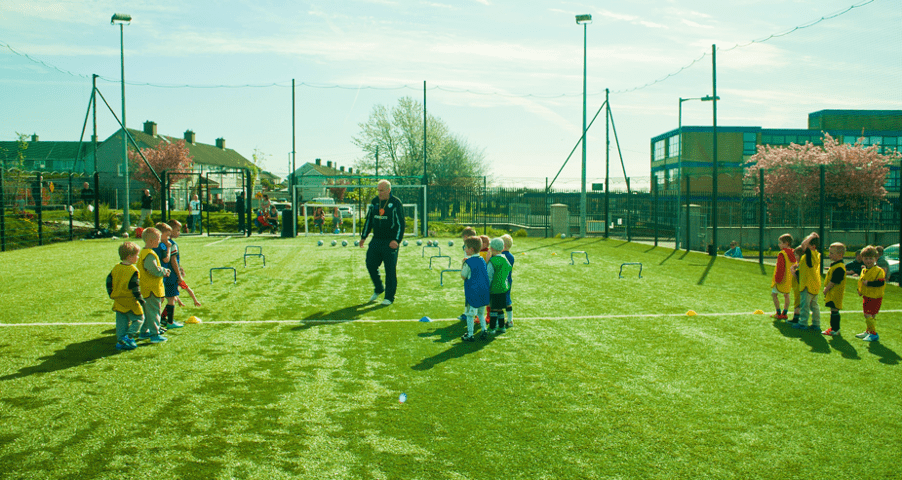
<point x="38" y="193"/>
<point x="688" y="202"/>
<point x="69" y="206"/>
<point x="2" y="212"/>
<point x="761" y="216"/>
<point x="654" y="209"/>
<point x="822" y="211"/>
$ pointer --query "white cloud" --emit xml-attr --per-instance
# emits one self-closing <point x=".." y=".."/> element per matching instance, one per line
<point x="692" y="24"/>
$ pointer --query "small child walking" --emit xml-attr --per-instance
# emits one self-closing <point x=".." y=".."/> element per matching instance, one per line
<point x="122" y="285"/>
<point x="871" y="286"/>
<point x="476" y="285"/>
<point x="836" y="287"/>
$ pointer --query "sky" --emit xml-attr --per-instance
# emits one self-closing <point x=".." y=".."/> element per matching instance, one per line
<point x="504" y="75"/>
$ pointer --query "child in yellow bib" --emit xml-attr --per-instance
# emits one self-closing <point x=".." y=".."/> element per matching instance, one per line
<point x="810" y="282"/>
<point x="151" y="276"/>
<point x="122" y="285"/>
<point x="871" y="286"/>
<point x="782" y="281"/>
<point x="835" y="287"/>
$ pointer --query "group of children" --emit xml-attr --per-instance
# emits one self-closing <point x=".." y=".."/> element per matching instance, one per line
<point x="799" y="271"/>
<point x="142" y="280"/>
<point x="487" y="274"/>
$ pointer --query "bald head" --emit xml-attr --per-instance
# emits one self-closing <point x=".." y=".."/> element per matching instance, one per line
<point x="384" y="189"/>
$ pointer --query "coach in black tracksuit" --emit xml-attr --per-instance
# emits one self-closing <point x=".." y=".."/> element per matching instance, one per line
<point x="385" y="218"/>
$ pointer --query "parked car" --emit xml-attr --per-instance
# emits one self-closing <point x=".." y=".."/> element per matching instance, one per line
<point x="323" y="201"/>
<point x="346" y="211"/>
<point x="281" y="205"/>
<point x="892" y="257"/>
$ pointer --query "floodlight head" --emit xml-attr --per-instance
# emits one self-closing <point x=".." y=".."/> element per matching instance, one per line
<point x="121" y="17"/>
<point x="708" y="98"/>
<point x="583" y="19"/>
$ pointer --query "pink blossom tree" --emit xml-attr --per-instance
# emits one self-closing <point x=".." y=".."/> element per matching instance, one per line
<point x="854" y="174"/>
<point x="165" y="156"/>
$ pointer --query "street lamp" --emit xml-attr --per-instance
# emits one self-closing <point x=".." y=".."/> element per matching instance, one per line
<point x="123" y="18"/>
<point x="679" y="175"/>
<point x="583" y="20"/>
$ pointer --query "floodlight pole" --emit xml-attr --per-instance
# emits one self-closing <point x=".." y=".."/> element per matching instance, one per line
<point x="292" y="180"/>
<point x="706" y="98"/>
<point x="714" y="184"/>
<point x="123" y="18"/>
<point x="583" y="20"/>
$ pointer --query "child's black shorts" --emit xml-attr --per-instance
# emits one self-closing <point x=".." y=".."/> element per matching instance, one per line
<point x="498" y="301"/>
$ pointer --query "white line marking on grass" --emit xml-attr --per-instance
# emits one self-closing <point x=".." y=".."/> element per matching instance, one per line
<point x="395" y="320"/>
<point x="218" y="241"/>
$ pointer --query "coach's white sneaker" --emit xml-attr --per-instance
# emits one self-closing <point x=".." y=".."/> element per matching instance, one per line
<point x="386" y="302"/>
<point x="374" y="297"/>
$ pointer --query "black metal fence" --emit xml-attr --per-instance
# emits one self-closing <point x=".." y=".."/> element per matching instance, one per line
<point x="38" y="208"/>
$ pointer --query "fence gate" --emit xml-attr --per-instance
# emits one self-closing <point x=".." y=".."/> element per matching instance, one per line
<point x="215" y="194"/>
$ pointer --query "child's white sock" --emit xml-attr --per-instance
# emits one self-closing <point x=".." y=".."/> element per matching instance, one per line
<point x="509" y="314"/>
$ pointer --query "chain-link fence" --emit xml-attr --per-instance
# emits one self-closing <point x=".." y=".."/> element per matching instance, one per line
<point x="37" y="208"/>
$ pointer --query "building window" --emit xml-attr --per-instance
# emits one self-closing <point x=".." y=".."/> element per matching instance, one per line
<point x="659" y="177"/>
<point x="659" y="150"/>
<point x="673" y="147"/>
<point x="749" y="143"/>
<point x="892" y="180"/>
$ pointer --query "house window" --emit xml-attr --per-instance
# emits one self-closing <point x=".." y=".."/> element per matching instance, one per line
<point x="659" y="150"/>
<point x="749" y="143"/>
<point x="673" y="147"/>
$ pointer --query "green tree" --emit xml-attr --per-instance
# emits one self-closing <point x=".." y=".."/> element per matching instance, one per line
<point x="397" y="135"/>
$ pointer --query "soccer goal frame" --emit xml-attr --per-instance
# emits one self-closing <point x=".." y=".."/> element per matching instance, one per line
<point x="358" y="214"/>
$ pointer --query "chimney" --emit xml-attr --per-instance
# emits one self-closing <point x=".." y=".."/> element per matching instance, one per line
<point x="150" y="128"/>
<point x="350" y="170"/>
<point x="329" y="163"/>
<point x="189" y="136"/>
<point x="342" y="168"/>
<point x="319" y="161"/>
<point x="220" y="143"/>
<point x="34" y="137"/>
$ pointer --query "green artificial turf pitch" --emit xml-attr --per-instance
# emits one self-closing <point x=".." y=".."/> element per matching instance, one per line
<point x="293" y="375"/>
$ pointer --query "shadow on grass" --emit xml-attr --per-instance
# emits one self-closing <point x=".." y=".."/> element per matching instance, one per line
<point x="456" y="351"/>
<point x="812" y="338"/>
<point x="447" y="333"/>
<point x="844" y="348"/>
<point x="347" y="314"/>
<point x="701" y="281"/>
<point x="668" y="257"/>
<point x="886" y="355"/>
<point x="70" y="356"/>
